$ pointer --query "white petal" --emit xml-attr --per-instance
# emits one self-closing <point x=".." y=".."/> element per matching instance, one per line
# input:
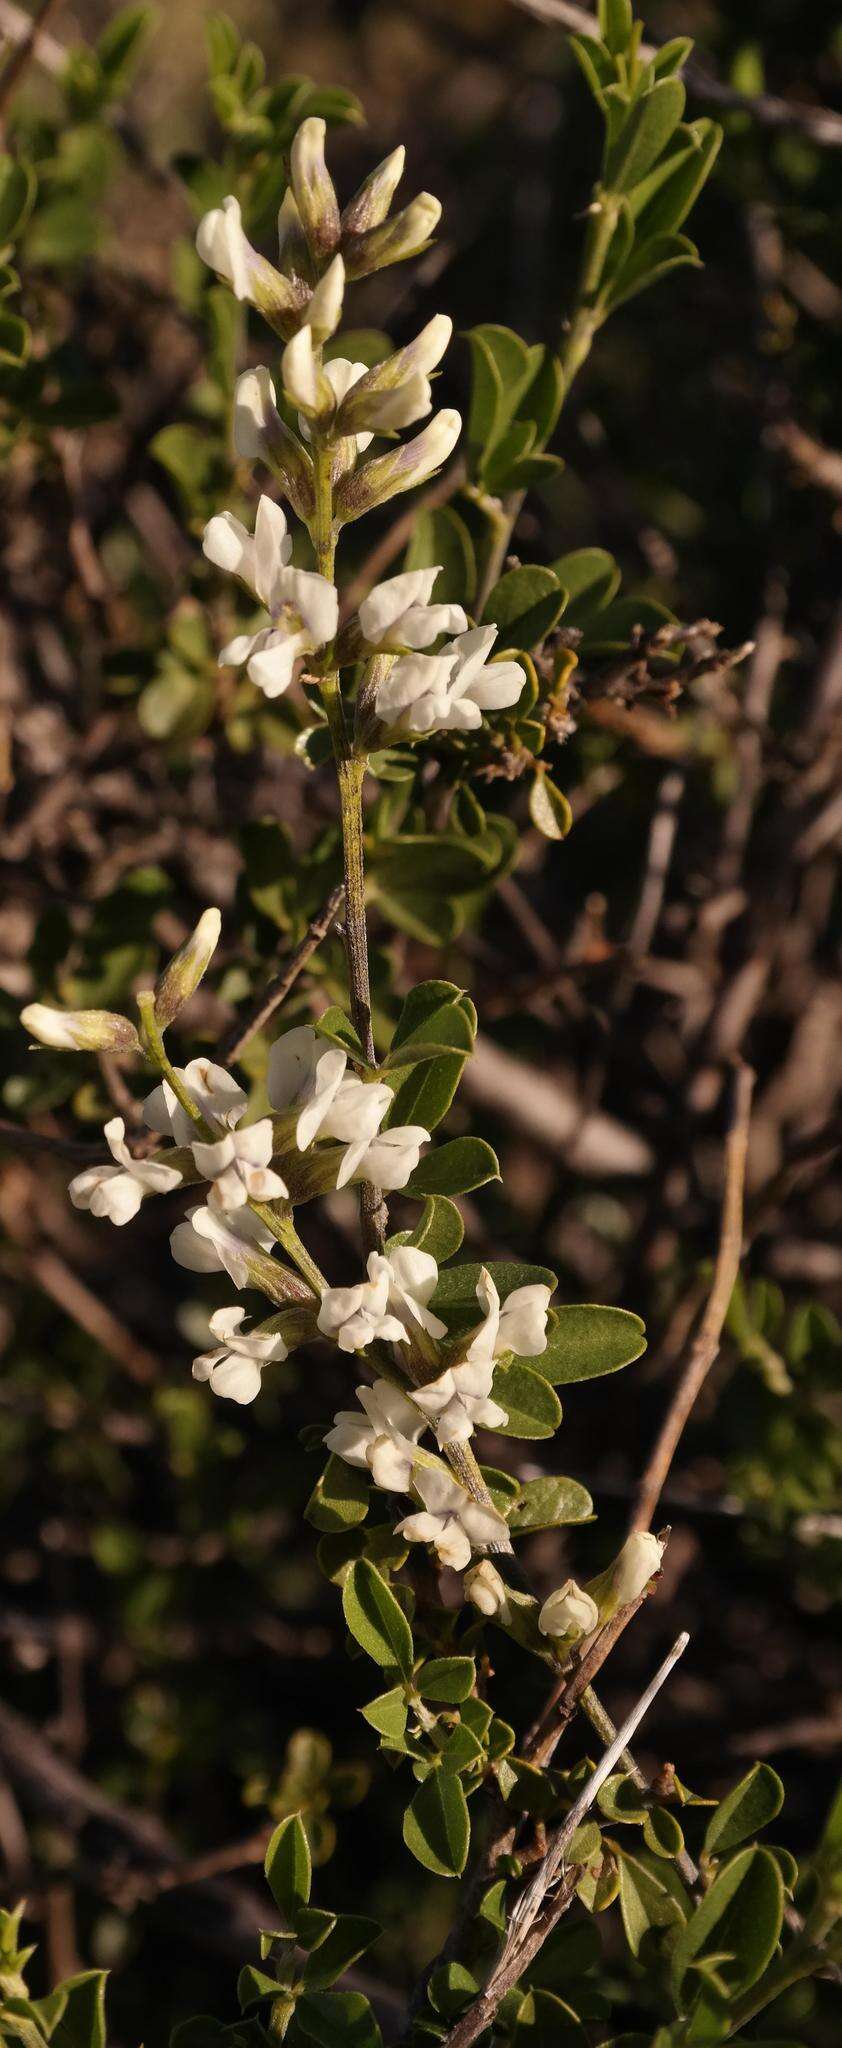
<point x="227" y="544"/>
<point x="388" y="601"/>
<point x="236" y="1379"/>
<point x="254" y="406"/>
<point x="300" y="374"/>
<point x="272" y="667"/>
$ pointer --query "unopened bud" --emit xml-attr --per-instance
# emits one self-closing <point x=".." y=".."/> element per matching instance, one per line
<point x="80" y="1030"/>
<point x="324" y="311"/>
<point x="184" y="971"/>
<point x="260" y="435"/>
<point x="393" y="241"/>
<point x="293" y="254"/>
<point x="223" y="245"/>
<point x="396" y="392"/>
<point x="629" y="1575"/>
<point x="313" y="188"/>
<point x="401" y="469"/>
<point x="371" y="202"/>
<point x="487" y="1591"/>
<point x="568" y="1612"/>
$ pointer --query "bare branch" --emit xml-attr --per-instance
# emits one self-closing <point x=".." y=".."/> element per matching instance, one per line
<point x="245" y="1028"/>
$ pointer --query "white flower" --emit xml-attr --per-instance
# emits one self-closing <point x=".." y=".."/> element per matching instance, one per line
<point x="568" y="1612"/>
<point x="341" y="375"/>
<point x="209" y="1242"/>
<point x="458" y="1402"/>
<point x="324" y="309"/>
<point x="239" y="1167"/>
<point x="117" y="1191"/>
<point x="398" y="613"/>
<point x="382" y="1438"/>
<point x="184" y="971"/>
<point x="449" y="691"/>
<point x="80" y="1030"/>
<point x="304" y="1070"/>
<point x="487" y="1591"/>
<point x="401" y="469"/>
<point x="413" y="1275"/>
<point x="638" y="1561"/>
<point x="397" y="391"/>
<point x="234" y="1369"/>
<point x="216" y="1094"/>
<point x="224" y="246"/>
<point x="303" y="607"/>
<point x="391" y="1157"/>
<point x="354" y="1117"/>
<point x="356" y="1316"/>
<point x="519" y="1325"/>
<point x="452" y="1522"/>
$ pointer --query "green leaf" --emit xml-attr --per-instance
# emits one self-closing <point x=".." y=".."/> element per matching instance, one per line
<point x="591" y="578"/>
<point x="662" y="1833"/>
<point x="436" y="1827"/>
<point x="388" y="1714"/>
<point x="340" y="1497"/>
<point x="449" y="1679"/>
<point x="595" y="64"/>
<point x="287" y="1866"/>
<point x="82" y="2023"/>
<point x="549" y="1504"/>
<point x="375" y="1619"/>
<point x="754" y="1802"/>
<point x="612" y="630"/>
<point x="645" y="1900"/>
<point x="15" y="338"/>
<point x="256" y="1987"/>
<point x="649" y="262"/>
<point x="585" y="1341"/>
<point x="427" y="1067"/>
<point x="17" y="192"/>
<point x="545" y="2021"/>
<point x="665" y="206"/>
<point x="549" y="808"/>
<point x="455" y="1168"/>
<point x="440" y="537"/>
<point x="671" y="56"/>
<point x="118" y="47"/>
<point x="616" y="21"/>
<point x="338" y="2019"/>
<point x="456" y="1291"/>
<point x="439" y="1229"/>
<point x="644" y="134"/>
<point x="532" y="1408"/>
<point x="345" y="1943"/>
<point x="502" y="367"/>
<point x="542" y="400"/>
<point x="525" y="604"/>
<point x="739" y="1918"/>
<point x="338" y="1030"/>
<point x="451" y="1988"/>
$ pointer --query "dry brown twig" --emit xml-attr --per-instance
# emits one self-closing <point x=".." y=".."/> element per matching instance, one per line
<point x="245" y="1028"/>
<point x="706" y="1346"/>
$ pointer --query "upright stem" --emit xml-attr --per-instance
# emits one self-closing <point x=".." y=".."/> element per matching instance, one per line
<point x="585" y="320"/>
<point x="350" y="771"/>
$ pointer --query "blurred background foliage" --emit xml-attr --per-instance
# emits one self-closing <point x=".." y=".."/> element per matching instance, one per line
<point x="162" y="1621"/>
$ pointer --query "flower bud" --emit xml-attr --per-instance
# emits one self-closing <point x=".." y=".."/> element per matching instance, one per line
<point x="305" y="383"/>
<point x="313" y="189"/>
<point x="293" y="254"/>
<point x="184" y="971"/>
<point x="487" y="1591"/>
<point x="401" y="469"/>
<point x="569" y="1612"/>
<point x="223" y="245"/>
<point x="393" y="241"/>
<point x="260" y="435"/>
<point x="629" y="1575"/>
<point x="371" y="203"/>
<point x="324" y="311"/>
<point x="80" y="1030"/>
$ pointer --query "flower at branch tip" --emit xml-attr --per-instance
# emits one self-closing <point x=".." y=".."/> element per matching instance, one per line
<point x="381" y="1438"/>
<point x="487" y="1591"/>
<point x="209" y="1242"/>
<point x="235" y="1368"/>
<point x="218" y="1097"/>
<point x="371" y="202"/>
<point x="80" y="1030"/>
<point x="117" y="1191"/>
<point x="448" y="691"/>
<point x="637" y="1563"/>
<point x="452" y="1522"/>
<point x="398" y="613"/>
<point x="393" y="241"/>
<point x="519" y="1325"/>
<point x="223" y="245"/>
<point x="303" y="607"/>
<point x="458" y="1402"/>
<point x="238" y="1165"/>
<point x="184" y="971"/>
<point x="313" y="188"/>
<point x="568" y="1612"/>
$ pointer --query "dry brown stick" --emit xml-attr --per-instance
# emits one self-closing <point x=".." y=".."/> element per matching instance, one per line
<point x="822" y="124"/>
<point x="70" y="1294"/>
<point x="706" y="1346"/>
<point x="244" y="1029"/>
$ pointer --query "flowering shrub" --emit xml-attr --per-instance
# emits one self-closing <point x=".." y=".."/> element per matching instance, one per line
<point x="456" y="668"/>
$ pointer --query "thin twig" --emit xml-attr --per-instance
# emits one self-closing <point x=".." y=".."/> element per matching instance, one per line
<point x="244" y="1028"/>
<point x="706" y="1346"/>
<point x="822" y="124"/>
<point x="24" y="37"/>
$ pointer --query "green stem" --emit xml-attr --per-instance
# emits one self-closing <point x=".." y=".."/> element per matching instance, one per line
<point x="285" y="1234"/>
<point x="153" y="1046"/>
<point x="350" y="771"/>
<point x="587" y="314"/>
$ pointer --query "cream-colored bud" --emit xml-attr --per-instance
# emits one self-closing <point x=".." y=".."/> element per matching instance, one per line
<point x="293" y="254"/>
<point x="313" y="188"/>
<point x="184" y="971"/>
<point x="373" y="482"/>
<point x="568" y="1612"/>
<point x="393" y="241"/>
<point x="260" y="435"/>
<point x="80" y="1030"/>
<point x="487" y="1591"/>
<point x="324" y="311"/>
<point x="639" y="1560"/>
<point x="371" y="202"/>
<point x="305" y="383"/>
